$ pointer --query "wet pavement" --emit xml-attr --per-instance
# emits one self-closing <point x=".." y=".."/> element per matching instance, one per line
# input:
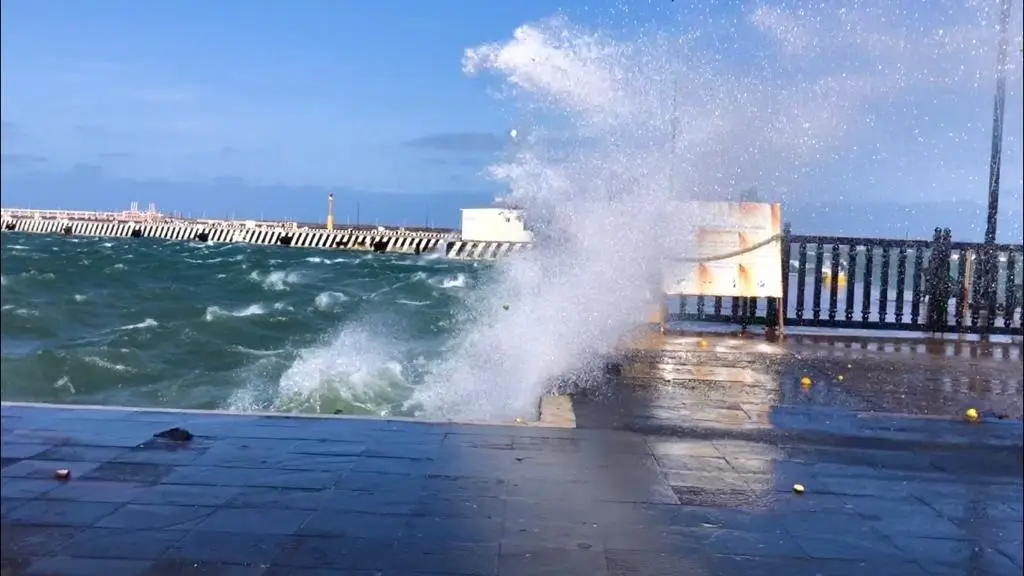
<point x="309" y="496"/>
<point x="685" y="462"/>
<point x="901" y="376"/>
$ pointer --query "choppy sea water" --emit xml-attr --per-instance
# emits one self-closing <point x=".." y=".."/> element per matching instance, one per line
<point x="189" y="325"/>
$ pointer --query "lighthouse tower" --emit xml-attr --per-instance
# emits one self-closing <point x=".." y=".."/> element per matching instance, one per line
<point x="330" y="211"/>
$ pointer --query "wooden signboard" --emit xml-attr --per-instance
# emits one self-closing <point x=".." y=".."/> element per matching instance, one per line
<point x="726" y="228"/>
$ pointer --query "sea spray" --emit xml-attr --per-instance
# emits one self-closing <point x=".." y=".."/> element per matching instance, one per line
<point x="618" y="132"/>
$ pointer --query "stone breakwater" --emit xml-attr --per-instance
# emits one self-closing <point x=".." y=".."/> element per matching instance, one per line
<point x="377" y="240"/>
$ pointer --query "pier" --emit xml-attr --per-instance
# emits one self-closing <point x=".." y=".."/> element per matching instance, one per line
<point x="379" y="239"/>
<point x="689" y="467"/>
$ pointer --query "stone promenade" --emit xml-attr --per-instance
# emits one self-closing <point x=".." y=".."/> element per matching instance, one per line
<point x="682" y="468"/>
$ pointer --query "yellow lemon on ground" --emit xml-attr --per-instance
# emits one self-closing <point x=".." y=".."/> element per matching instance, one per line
<point x="798" y="488"/>
<point x="971" y="414"/>
<point x="805" y="381"/>
<point x="840" y="377"/>
<point x="702" y="343"/>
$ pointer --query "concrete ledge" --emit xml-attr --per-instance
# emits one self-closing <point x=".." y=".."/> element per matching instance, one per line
<point x="557" y="412"/>
<point x="986" y="418"/>
<point x="556" y="419"/>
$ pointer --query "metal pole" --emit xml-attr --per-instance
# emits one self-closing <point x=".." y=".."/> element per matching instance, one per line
<point x="990" y="260"/>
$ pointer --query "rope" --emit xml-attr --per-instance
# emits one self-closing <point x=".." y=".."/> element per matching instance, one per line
<point x="732" y="254"/>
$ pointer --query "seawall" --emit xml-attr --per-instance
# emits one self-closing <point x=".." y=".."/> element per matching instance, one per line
<point x="389" y="241"/>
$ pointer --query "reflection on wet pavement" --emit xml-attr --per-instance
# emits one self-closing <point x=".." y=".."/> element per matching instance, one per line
<point x="904" y="377"/>
<point x="873" y="431"/>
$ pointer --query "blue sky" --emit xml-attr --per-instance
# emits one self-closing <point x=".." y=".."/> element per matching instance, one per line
<point x="258" y="107"/>
<point x="317" y="93"/>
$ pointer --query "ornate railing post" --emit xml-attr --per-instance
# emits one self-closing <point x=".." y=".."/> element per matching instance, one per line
<point x="938" y="282"/>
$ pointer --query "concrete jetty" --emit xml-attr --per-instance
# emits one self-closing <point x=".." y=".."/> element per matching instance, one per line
<point x="382" y="240"/>
<point x="679" y="471"/>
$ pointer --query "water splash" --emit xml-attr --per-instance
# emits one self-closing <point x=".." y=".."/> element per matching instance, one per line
<point x="616" y="131"/>
<point x="355" y="369"/>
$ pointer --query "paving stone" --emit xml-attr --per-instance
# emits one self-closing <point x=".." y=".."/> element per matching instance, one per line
<point x="119" y="543"/>
<point x="61" y="513"/>
<point x="844" y="546"/>
<point x="228" y="548"/>
<point x="446" y="558"/>
<point x="27" y="487"/>
<point x="324" y="448"/>
<point x="337" y="553"/>
<point x="477" y="530"/>
<point x="552" y="562"/>
<point x="142" y="473"/>
<point x="176" y="567"/>
<point x="404" y="466"/>
<point x="463" y="487"/>
<point x="375" y="481"/>
<point x="42" y="469"/>
<point x="244" y="477"/>
<point x="66" y="566"/>
<point x="367" y="525"/>
<point x="190" y="495"/>
<point x="293" y="571"/>
<point x="7" y="505"/>
<point x="96" y="491"/>
<point x="156" y="517"/>
<point x="26" y="541"/>
<point x="437" y="505"/>
<point x="282" y="498"/>
<point x="21" y="451"/>
<point x="254" y="520"/>
<point x="390" y="502"/>
<point x="14" y="566"/>
<point x="72" y="453"/>
<point x="523" y="536"/>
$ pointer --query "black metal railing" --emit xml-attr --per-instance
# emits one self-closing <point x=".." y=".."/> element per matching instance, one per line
<point x="881" y="284"/>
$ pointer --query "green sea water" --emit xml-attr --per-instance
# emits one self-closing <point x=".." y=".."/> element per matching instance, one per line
<point x="189" y="325"/>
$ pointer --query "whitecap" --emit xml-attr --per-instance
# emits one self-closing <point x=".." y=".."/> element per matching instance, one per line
<point x="329" y="300"/>
<point x="216" y="312"/>
<point x="456" y="281"/>
<point x="147" y="323"/>
<point x="255" y="352"/>
<point x="103" y="363"/>
<point x="412" y="302"/>
<point x="65" y="383"/>
<point x="277" y="280"/>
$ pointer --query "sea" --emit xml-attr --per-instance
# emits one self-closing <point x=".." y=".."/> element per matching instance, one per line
<point x="236" y="327"/>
